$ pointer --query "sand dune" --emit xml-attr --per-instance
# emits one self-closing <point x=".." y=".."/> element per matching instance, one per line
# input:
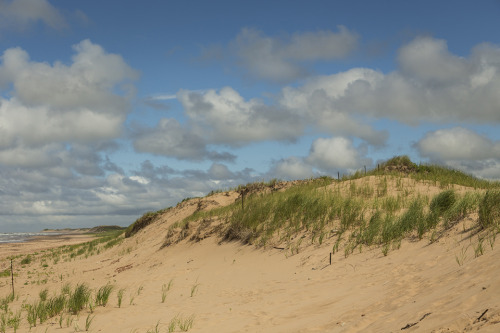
<point x="230" y="287"/>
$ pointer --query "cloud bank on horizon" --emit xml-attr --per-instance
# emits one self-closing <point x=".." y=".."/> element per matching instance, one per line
<point x="92" y="137"/>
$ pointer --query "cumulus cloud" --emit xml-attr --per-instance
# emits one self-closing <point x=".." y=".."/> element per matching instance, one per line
<point x="326" y="156"/>
<point x="225" y="117"/>
<point x="428" y="60"/>
<point x="57" y="125"/>
<point x="456" y="144"/>
<point x="285" y="59"/>
<point x="220" y="172"/>
<point x="19" y="14"/>
<point x="291" y="168"/>
<point x="431" y="85"/>
<point x="463" y="149"/>
<point x="319" y="101"/>
<point x="217" y="118"/>
<point x="58" y="103"/>
<point x="87" y="83"/>
<point x="332" y="154"/>
<point x="170" y="138"/>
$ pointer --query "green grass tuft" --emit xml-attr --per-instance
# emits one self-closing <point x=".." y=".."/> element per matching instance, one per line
<point x="79" y="298"/>
<point x="489" y="209"/>
<point x="102" y="295"/>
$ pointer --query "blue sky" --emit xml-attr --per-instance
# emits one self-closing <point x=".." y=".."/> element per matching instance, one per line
<point x="109" y="109"/>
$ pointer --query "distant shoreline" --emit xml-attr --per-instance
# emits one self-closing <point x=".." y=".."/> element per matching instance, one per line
<point x="34" y="242"/>
<point x="23" y="237"/>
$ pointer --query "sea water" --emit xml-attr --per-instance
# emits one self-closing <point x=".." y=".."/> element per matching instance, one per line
<point x="17" y="237"/>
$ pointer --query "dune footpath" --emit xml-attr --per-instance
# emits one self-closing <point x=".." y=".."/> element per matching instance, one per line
<point x="424" y="286"/>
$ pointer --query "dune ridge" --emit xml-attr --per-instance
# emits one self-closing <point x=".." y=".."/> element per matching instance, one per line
<point x="173" y="273"/>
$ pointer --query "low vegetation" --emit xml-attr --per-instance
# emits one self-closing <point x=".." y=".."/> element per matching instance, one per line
<point x="70" y="302"/>
<point x="143" y="222"/>
<point x="358" y="210"/>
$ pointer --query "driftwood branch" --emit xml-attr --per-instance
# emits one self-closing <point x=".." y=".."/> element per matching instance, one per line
<point x="413" y="324"/>
<point x="481" y="316"/>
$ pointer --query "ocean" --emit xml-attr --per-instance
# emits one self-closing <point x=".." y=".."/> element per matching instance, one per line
<point x="18" y="237"/>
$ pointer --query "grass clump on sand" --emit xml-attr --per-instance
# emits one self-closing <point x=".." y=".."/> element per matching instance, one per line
<point x="442" y="202"/>
<point x="102" y="295"/>
<point x="119" y="295"/>
<point x="79" y="298"/>
<point x="5" y="273"/>
<point x="489" y="209"/>
<point x="26" y="260"/>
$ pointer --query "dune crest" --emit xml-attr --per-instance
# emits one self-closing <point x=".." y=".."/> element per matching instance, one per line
<point x="175" y="274"/>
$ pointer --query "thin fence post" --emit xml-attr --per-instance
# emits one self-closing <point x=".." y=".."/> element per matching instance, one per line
<point x="338" y="175"/>
<point x="365" y="170"/>
<point x="12" y="273"/>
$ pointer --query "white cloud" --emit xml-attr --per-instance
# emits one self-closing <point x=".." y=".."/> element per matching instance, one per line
<point x="319" y="101"/>
<point x="59" y="103"/>
<point x="224" y="117"/>
<point x="428" y="60"/>
<point x="88" y="83"/>
<point x="332" y="154"/>
<point x="326" y="155"/>
<point x="219" y="172"/>
<point x="292" y="168"/>
<point x="56" y="125"/>
<point x="462" y="149"/>
<point x="282" y="60"/>
<point x="456" y="144"/>
<point x="170" y="138"/>
<point x="20" y="14"/>
<point x="430" y="85"/>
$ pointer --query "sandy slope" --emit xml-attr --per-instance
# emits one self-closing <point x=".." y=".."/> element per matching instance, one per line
<point x="243" y="289"/>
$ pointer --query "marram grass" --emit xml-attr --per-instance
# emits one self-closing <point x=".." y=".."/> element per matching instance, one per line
<point x="380" y="213"/>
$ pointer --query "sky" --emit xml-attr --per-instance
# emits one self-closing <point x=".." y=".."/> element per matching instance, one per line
<point x="110" y="109"/>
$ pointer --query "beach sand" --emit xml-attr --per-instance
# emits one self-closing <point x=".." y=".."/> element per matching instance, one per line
<point x="42" y="243"/>
<point x="230" y="287"/>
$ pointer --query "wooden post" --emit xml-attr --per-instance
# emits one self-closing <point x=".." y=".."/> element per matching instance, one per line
<point x="330" y="258"/>
<point x="12" y="273"/>
<point x="338" y="175"/>
<point x="243" y="192"/>
<point x="365" y="170"/>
